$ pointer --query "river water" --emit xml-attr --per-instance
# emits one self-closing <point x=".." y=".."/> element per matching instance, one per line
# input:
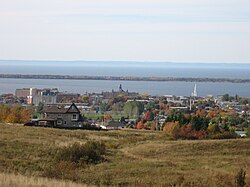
<point x="153" y="88"/>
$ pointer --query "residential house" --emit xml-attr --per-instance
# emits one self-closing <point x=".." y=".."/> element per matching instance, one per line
<point x="62" y="117"/>
<point x="112" y="125"/>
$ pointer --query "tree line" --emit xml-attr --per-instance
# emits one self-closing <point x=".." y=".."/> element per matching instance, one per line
<point x="14" y="114"/>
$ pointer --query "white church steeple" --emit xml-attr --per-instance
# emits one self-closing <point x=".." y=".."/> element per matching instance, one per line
<point x="194" y="93"/>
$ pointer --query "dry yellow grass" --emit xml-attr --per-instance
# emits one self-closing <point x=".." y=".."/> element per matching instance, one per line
<point x="135" y="157"/>
<point x="13" y="180"/>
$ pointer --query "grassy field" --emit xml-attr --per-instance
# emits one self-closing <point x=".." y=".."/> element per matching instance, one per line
<point x="134" y="158"/>
<point x="17" y="180"/>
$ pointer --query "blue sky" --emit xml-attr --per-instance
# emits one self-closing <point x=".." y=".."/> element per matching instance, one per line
<point x="132" y="30"/>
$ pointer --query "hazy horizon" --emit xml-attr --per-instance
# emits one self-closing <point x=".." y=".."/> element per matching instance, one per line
<point x="116" y="63"/>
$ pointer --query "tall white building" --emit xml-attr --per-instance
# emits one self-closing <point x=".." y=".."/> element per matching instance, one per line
<point x="30" y="97"/>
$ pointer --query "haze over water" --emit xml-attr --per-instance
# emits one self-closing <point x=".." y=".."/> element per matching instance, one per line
<point x="144" y="69"/>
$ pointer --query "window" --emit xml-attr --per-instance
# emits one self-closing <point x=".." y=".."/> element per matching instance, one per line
<point x="65" y="122"/>
<point x="79" y="124"/>
<point x="59" y="122"/>
<point x="74" y="117"/>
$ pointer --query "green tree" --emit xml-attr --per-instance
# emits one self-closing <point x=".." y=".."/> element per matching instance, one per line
<point x="150" y="106"/>
<point x="40" y="108"/>
<point x="118" y="107"/>
<point x="133" y="108"/>
<point x="103" y="107"/>
<point x="225" y="97"/>
<point x="213" y="129"/>
<point x="199" y="123"/>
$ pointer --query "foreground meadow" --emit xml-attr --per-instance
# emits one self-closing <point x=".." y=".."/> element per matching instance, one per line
<point x="132" y="158"/>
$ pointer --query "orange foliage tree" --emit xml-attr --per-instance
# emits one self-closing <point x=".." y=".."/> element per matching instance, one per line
<point x="140" y="125"/>
<point x="14" y="114"/>
<point x="201" y="113"/>
<point x="171" y="128"/>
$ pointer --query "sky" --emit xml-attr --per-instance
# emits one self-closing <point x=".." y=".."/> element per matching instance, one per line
<point x="208" y="31"/>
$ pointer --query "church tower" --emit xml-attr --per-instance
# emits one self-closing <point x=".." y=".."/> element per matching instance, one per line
<point x="120" y="88"/>
<point x="194" y="93"/>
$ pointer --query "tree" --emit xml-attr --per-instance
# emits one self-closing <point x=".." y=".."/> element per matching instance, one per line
<point x="150" y="125"/>
<point x="199" y="123"/>
<point x="4" y="112"/>
<point x="213" y="129"/>
<point x="150" y="106"/>
<point x="244" y="101"/>
<point x="171" y="128"/>
<point x="149" y="115"/>
<point x="103" y="107"/>
<point x="118" y="107"/>
<point x="140" y="125"/>
<point x="40" y="108"/>
<point x="201" y="113"/>
<point x="85" y="98"/>
<point x="225" y="97"/>
<point x="133" y="108"/>
<point x="107" y="117"/>
<point x="14" y="114"/>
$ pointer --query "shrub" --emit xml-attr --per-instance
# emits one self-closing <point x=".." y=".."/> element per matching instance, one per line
<point x="183" y="132"/>
<point x="248" y="132"/>
<point x="224" y="135"/>
<point x="213" y="129"/>
<point x="240" y="178"/>
<point x="171" y="128"/>
<point x="89" y="153"/>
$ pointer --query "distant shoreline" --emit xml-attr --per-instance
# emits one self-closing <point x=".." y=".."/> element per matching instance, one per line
<point x="124" y="78"/>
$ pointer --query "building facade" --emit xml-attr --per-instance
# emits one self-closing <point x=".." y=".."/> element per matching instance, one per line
<point x="62" y="117"/>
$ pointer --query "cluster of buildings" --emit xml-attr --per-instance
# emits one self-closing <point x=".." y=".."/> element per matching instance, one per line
<point x="59" y="112"/>
<point x="46" y="96"/>
<point x="50" y="96"/>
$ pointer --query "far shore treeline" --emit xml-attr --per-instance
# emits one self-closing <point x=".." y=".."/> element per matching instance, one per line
<point x="125" y="78"/>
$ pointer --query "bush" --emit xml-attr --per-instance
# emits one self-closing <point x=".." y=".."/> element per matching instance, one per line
<point x="224" y="135"/>
<point x="184" y="132"/>
<point x="248" y="132"/>
<point x="89" y="153"/>
<point x="240" y="178"/>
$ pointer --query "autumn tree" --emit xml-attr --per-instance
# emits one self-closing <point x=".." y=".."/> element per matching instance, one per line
<point x="107" y="117"/>
<point x="149" y="115"/>
<point x="14" y="114"/>
<point x="4" y="112"/>
<point x="150" y="125"/>
<point x="171" y="128"/>
<point x="213" y="129"/>
<point x="140" y="125"/>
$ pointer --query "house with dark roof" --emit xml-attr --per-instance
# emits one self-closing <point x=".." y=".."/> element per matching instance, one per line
<point x="111" y="125"/>
<point x="62" y="117"/>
